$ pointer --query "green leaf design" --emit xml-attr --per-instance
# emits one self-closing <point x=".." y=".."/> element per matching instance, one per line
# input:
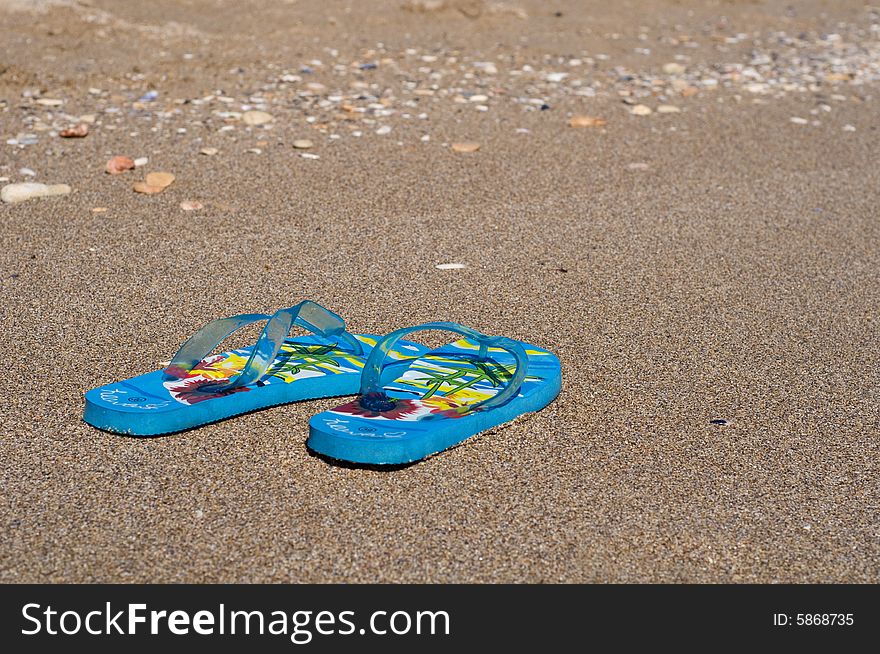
<point x="307" y="357"/>
<point x="491" y="371"/>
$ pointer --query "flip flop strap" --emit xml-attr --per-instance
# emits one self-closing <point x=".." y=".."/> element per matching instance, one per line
<point x="307" y="314"/>
<point x="372" y="373"/>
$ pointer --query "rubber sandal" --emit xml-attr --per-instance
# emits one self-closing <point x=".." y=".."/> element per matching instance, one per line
<point x="436" y="400"/>
<point x="198" y="388"/>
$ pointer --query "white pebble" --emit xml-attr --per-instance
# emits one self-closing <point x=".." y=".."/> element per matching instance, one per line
<point x="13" y="193"/>
<point x="450" y="266"/>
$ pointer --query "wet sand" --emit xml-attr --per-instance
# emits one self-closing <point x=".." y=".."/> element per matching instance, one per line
<point x="720" y="263"/>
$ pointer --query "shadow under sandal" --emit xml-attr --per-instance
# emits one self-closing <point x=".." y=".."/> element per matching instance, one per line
<point x="198" y="388"/>
<point x="436" y="400"/>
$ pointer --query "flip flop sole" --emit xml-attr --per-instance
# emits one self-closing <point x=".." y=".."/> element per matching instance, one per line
<point x="153" y="404"/>
<point x="416" y="429"/>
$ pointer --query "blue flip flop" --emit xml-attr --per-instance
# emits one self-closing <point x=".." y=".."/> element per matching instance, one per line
<point x="436" y="400"/>
<point x="196" y="389"/>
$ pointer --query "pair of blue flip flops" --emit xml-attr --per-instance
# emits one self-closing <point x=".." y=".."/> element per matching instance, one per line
<point x="412" y="402"/>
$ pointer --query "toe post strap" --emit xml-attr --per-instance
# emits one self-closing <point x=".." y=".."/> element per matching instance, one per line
<point x="307" y="314"/>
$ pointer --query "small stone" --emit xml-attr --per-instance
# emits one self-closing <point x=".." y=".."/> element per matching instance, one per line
<point x="161" y="180"/>
<point x="586" y="121"/>
<point x="466" y="146"/>
<point x="797" y="120"/>
<point x="141" y="187"/>
<point x="668" y="109"/>
<point x="688" y="91"/>
<point x="50" y="102"/>
<point x="303" y="144"/>
<point x="209" y="152"/>
<point x="478" y="98"/>
<point x="639" y="165"/>
<point x="849" y="128"/>
<point x="99" y="209"/>
<point x="141" y="161"/>
<point x="673" y="68"/>
<point x="119" y="164"/>
<point x="13" y="193"/>
<point x="88" y="118"/>
<point x="254" y="151"/>
<point x="191" y="205"/>
<point x="385" y="129"/>
<point x="75" y="132"/>
<point x="641" y="110"/>
<point x="27" y="172"/>
<point x="309" y="155"/>
<point x="257" y="118"/>
<point x="450" y="266"/>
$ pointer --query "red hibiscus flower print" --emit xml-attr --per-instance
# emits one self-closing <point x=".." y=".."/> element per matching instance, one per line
<point x="178" y="372"/>
<point x="379" y="405"/>
<point x="198" y="389"/>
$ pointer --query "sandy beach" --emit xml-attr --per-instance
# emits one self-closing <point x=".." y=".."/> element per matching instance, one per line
<point x="701" y="250"/>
